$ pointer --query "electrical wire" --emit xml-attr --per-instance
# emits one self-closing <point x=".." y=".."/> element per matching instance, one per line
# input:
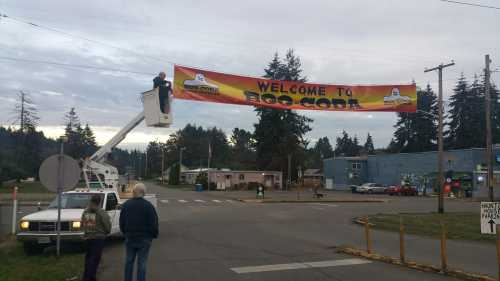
<point x="84" y="38"/>
<point x="471" y="4"/>
<point x="76" y="65"/>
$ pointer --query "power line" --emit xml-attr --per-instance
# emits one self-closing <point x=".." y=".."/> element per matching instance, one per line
<point x="471" y="4"/>
<point x="83" y="38"/>
<point x="76" y="65"/>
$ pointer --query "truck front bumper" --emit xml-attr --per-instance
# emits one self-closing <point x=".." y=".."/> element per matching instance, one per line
<point x="50" y="237"/>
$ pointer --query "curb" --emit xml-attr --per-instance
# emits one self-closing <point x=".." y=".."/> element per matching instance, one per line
<point x="313" y="201"/>
<point x="457" y="273"/>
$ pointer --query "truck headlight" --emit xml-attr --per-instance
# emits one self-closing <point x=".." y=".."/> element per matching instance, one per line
<point x="75" y="225"/>
<point x="24" y="225"/>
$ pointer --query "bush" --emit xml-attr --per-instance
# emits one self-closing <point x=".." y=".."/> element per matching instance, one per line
<point x="173" y="176"/>
<point x="202" y="179"/>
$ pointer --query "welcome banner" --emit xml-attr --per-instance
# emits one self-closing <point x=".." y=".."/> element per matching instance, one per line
<point x="209" y="86"/>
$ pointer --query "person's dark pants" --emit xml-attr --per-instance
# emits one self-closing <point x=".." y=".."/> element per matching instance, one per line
<point x="136" y="247"/>
<point x="92" y="258"/>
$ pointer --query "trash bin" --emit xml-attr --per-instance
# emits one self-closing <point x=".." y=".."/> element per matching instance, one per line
<point x="199" y="187"/>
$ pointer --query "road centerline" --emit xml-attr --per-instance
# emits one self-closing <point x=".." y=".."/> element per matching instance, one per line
<point x="301" y="265"/>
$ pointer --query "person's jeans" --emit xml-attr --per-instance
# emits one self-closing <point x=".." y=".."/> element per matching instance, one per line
<point x="92" y="258"/>
<point x="136" y="247"/>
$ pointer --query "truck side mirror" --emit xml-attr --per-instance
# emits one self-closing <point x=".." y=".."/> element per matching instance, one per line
<point x="118" y="206"/>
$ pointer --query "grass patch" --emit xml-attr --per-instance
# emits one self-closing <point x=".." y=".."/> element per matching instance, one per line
<point x="25" y="187"/>
<point x="460" y="226"/>
<point x="15" y="265"/>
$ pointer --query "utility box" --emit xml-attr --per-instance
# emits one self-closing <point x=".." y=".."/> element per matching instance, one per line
<point x="156" y="115"/>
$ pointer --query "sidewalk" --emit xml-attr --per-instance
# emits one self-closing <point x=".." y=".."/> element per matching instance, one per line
<point x="469" y="256"/>
<point x="304" y="195"/>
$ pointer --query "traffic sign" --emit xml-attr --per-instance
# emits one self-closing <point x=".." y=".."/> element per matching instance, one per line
<point x="490" y="217"/>
<point x="59" y="166"/>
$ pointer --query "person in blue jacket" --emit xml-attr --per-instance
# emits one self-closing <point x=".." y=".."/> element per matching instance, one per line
<point x="139" y="225"/>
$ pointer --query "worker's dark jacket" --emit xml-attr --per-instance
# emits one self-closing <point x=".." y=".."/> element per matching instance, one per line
<point x="138" y="219"/>
<point x="157" y="82"/>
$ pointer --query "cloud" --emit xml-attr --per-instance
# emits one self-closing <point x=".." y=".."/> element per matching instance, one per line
<point x="345" y="41"/>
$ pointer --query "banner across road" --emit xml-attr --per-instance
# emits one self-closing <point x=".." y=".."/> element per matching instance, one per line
<point x="209" y="86"/>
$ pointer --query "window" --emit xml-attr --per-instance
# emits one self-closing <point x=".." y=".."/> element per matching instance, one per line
<point x="242" y="177"/>
<point x="356" y="166"/>
<point x="111" y="202"/>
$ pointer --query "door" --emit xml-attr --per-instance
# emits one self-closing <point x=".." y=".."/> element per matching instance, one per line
<point x="114" y="214"/>
<point x="228" y="182"/>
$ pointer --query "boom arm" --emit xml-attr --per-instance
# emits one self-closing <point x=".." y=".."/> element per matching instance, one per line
<point x="113" y="142"/>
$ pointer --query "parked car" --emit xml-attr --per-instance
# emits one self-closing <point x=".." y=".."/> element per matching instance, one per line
<point x="371" y="188"/>
<point x="354" y="188"/>
<point x="406" y="190"/>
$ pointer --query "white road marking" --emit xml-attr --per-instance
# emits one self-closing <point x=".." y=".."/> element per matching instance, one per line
<point x="182" y="201"/>
<point x="217" y="201"/>
<point x="199" y="201"/>
<point x="302" y="265"/>
<point x="164" y="201"/>
<point x="230" y="201"/>
<point x="324" y="204"/>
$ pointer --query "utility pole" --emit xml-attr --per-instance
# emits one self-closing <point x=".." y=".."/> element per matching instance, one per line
<point x="439" y="68"/>
<point x="180" y="162"/>
<point x="489" y="178"/>
<point x="146" y="165"/>
<point x="289" y="175"/>
<point x="162" y="165"/>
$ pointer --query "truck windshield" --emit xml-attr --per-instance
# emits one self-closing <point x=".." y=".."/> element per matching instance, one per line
<point x="74" y="200"/>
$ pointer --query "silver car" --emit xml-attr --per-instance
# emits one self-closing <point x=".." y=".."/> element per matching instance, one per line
<point x="371" y="188"/>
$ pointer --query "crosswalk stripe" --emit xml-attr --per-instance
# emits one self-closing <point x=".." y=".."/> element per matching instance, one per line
<point x="200" y="201"/>
<point x="164" y="201"/>
<point x="182" y="201"/>
<point x="302" y="265"/>
<point x="217" y="201"/>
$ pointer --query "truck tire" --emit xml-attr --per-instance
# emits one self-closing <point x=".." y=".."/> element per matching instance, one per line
<point x="32" y="248"/>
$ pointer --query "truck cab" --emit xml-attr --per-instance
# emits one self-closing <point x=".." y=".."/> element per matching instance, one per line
<point x="38" y="230"/>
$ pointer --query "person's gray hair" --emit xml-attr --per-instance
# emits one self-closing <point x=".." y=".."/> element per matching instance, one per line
<point x="139" y="190"/>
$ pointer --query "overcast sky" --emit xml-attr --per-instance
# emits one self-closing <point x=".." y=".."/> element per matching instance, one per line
<point x="348" y="41"/>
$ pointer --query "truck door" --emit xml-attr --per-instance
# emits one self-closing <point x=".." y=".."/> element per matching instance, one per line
<point x="114" y="214"/>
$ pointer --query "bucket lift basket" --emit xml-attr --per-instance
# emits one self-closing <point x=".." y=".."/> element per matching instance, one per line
<point x="154" y="116"/>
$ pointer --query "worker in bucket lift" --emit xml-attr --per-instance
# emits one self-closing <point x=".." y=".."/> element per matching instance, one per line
<point x="163" y="92"/>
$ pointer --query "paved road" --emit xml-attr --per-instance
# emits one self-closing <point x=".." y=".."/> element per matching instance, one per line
<point x="206" y="236"/>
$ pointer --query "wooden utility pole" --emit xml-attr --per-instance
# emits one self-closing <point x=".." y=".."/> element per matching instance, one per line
<point x="162" y="165"/>
<point x="489" y="178"/>
<point x="439" y="68"/>
<point x="289" y="175"/>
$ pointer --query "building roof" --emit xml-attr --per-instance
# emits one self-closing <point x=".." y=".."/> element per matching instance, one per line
<point x="313" y="172"/>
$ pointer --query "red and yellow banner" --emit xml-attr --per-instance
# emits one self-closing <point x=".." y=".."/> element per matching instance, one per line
<point x="203" y="85"/>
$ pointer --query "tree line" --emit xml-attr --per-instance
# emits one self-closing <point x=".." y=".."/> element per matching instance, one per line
<point x="278" y="136"/>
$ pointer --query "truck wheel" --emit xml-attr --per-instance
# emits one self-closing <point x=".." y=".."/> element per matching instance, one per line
<point x="31" y="248"/>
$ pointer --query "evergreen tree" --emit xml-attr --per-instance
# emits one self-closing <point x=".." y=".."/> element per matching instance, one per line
<point x="466" y="127"/>
<point x="279" y="133"/>
<point x="321" y="150"/>
<point x="347" y="146"/>
<point x="417" y="131"/>
<point x="368" y="147"/>
<point x="242" y="152"/>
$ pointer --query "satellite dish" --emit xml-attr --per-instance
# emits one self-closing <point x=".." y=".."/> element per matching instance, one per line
<point x="60" y="167"/>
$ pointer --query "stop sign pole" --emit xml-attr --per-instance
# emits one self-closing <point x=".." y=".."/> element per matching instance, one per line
<point x="60" y="175"/>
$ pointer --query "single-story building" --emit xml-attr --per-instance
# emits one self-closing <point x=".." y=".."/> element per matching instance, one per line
<point x="189" y="176"/>
<point x="421" y="168"/>
<point x="243" y="179"/>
